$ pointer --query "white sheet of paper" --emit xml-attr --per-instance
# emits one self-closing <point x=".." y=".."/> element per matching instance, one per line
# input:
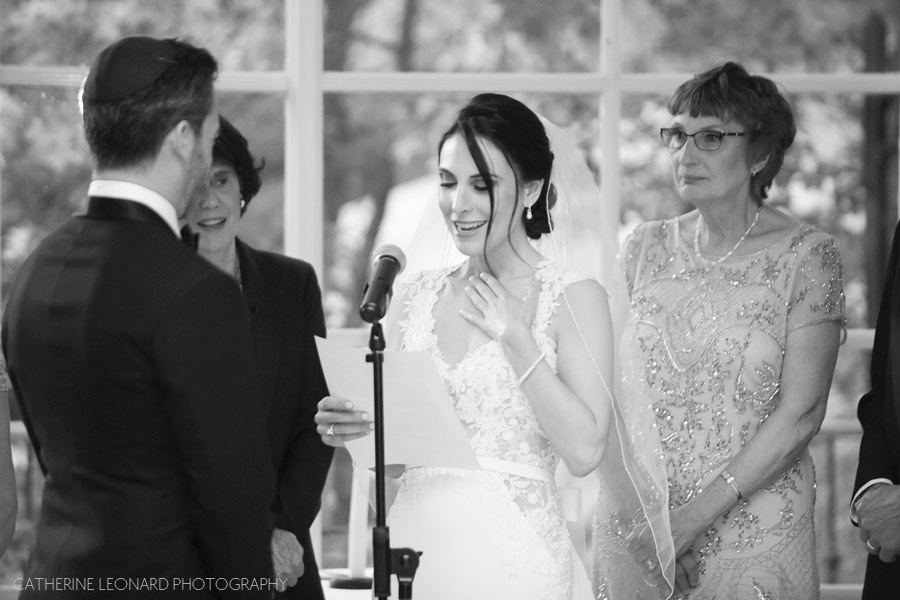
<point x="421" y="427"/>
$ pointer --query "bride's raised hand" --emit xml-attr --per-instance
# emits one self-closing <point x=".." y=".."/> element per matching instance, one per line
<point x="499" y="313"/>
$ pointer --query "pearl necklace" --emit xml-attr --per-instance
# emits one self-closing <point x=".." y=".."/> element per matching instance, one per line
<point x="730" y="252"/>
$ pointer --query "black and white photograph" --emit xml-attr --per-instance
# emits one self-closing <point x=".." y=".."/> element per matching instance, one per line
<point x="442" y="299"/>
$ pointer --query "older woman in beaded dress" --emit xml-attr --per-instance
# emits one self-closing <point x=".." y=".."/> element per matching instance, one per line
<point x="738" y="311"/>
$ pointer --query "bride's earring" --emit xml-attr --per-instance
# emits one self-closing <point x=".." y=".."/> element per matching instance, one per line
<point x="528" y="214"/>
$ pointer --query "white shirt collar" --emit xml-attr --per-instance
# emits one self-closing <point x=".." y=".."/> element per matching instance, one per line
<point x="126" y="190"/>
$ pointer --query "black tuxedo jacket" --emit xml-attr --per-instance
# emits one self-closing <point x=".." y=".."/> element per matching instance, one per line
<point x="131" y="358"/>
<point x="285" y="307"/>
<point x="879" y="413"/>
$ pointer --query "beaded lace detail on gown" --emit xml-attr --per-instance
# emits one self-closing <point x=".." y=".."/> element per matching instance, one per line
<point x="712" y="342"/>
<point x="501" y="425"/>
<point x="4" y="377"/>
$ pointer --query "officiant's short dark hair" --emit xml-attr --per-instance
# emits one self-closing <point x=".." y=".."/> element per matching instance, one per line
<point x="126" y="125"/>
<point x="231" y="148"/>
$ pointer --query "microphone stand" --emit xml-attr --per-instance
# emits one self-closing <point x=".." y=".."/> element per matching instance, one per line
<point x="402" y="562"/>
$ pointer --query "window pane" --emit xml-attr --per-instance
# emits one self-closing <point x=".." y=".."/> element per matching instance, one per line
<point x="788" y="36"/>
<point x="46" y="169"/>
<point x="380" y="175"/>
<point x="463" y="35"/>
<point x="241" y="34"/>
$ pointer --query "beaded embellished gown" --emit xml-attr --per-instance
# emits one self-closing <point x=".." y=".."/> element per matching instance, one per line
<point x="711" y="340"/>
<point x="499" y="532"/>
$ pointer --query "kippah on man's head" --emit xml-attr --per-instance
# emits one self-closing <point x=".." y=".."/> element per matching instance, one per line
<point x="128" y="66"/>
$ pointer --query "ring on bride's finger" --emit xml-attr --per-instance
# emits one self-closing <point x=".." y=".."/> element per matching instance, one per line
<point x="650" y="564"/>
<point x="330" y="431"/>
<point x="872" y="548"/>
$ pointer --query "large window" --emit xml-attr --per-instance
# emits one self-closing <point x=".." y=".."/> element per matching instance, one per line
<point x="346" y="99"/>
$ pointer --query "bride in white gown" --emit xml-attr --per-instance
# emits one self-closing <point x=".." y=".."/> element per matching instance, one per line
<point x="525" y="346"/>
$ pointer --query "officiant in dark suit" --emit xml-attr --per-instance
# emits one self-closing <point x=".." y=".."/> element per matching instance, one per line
<point x="875" y="507"/>
<point x="131" y="356"/>
<point x="285" y="305"/>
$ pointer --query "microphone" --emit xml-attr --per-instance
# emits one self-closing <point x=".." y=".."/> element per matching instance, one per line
<point x="389" y="261"/>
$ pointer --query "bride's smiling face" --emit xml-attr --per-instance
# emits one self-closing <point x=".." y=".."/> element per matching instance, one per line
<point x="466" y="204"/>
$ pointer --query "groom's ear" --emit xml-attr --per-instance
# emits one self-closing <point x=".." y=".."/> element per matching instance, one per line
<point x="181" y="140"/>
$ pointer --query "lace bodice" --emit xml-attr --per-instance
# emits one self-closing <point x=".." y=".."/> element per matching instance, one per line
<point x="4" y="378"/>
<point x="492" y="408"/>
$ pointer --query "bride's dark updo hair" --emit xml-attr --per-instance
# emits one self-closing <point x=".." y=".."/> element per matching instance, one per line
<point x="519" y="134"/>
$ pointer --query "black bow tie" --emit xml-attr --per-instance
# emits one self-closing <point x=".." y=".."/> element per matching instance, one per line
<point x="189" y="238"/>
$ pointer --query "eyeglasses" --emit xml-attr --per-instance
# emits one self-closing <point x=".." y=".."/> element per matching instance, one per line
<point x="705" y="139"/>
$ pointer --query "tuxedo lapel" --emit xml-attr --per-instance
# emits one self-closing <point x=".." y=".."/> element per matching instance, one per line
<point x="262" y="303"/>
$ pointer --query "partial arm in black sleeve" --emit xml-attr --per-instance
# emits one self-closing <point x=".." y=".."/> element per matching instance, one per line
<point x="305" y="467"/>
<point x="875" y="456"/>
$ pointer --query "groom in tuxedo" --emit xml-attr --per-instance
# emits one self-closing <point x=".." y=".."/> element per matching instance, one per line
<point x="131" y="357"/>
<point x="875" y="507"/>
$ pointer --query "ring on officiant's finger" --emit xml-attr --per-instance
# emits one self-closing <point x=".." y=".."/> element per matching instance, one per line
<point x="872" y="548"/>
<point x="650" y="564"/>
<point x="330" y="431"/>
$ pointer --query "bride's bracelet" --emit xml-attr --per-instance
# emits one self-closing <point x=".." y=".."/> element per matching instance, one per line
<point x="531" y="369"/>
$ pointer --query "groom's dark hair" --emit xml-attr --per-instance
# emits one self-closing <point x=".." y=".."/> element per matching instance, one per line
<point x="137" y="91"/>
